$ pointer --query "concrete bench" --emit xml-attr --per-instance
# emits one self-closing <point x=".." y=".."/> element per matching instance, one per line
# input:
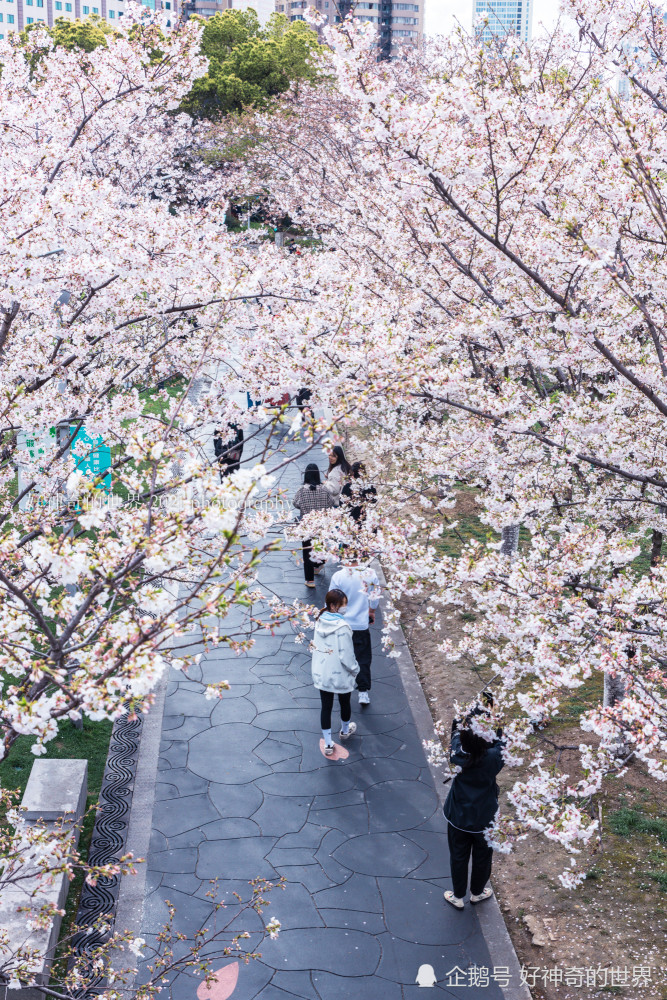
<point x="56" y="791"/>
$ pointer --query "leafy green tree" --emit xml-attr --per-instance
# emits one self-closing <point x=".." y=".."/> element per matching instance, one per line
<point x="86" y="35"/>
<point x="248" y="64"/>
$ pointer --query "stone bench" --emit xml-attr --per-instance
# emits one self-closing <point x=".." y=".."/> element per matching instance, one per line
<point x="56" y="791"/>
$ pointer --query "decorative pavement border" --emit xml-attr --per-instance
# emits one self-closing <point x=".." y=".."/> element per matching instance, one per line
<point x="108" y="842"/>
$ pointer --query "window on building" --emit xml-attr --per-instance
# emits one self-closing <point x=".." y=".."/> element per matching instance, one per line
<point x="59" y="5"/>
<point x="29" y="2"/>
<point x="112" y="14"/>
<point x="68" y="8"/>
<point x="86" y="10"/>
<point x="2" y="38"/>
<point x="40" y="3"/>
<point x="30" y="20"/>
<point x="1" y="18"/>
<point x="168" y="5"/>
<point x="10" y="19"/>
<point x="96" y="10"/>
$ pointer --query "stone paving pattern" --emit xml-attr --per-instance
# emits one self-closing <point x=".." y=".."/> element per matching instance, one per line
<point x="244" y="791"/>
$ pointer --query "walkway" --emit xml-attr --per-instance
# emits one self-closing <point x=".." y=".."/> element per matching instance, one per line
<point x="244" y="791"/>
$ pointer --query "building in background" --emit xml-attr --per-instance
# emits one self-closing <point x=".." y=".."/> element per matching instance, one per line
<point x="397" y="24"/>
<point x="15" y="15"/>
<point x="207" y="8"/>
<point x="505" y="17"/>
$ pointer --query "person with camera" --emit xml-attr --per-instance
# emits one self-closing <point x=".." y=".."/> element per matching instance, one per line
<point x="472" y="803"/>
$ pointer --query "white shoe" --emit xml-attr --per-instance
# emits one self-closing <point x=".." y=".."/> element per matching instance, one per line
<point x="364" y="698"/>
<point x="329" y="751"/>
<point x="351" y="731"/>
<point x="484" y="894"/>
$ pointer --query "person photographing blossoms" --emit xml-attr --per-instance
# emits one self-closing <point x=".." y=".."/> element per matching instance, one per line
<point x="334" y="666"/>
<point x="471" y="805"/>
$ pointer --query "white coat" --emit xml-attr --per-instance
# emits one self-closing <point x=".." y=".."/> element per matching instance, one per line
<point x="334" y="481"/>
<point x="334" y="664"/>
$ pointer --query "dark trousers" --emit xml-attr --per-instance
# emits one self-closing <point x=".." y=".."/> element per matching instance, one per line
<point x="361" y="640"/>
<point x="461" y="845"/>
<point x="327" y="699"/>
<point x="309" y="566"/>
<point x="226" y="469"/>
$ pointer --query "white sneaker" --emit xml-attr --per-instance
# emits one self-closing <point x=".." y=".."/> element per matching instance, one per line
<point x="351" y="731"/>
<point x="330" y="750"/>
<point x="364" y="698"/>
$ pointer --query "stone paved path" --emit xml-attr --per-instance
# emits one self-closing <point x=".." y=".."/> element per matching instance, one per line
<point x="244" y="791"/>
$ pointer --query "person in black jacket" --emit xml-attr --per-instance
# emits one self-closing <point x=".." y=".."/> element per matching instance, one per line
<point x="358" y="494"/>
<point x="228" y="453"/>
<point x="470" y="808"/>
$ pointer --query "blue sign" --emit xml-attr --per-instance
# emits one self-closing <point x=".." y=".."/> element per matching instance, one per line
<point x="92" y="457"/>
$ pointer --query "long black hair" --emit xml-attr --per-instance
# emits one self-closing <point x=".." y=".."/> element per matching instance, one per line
<point x="341" y="460"/>
<point x="311" y="476"/>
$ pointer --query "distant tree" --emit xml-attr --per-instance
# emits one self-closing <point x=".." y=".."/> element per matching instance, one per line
<point x="86" y="35"/>
<point x="249" y="64"/>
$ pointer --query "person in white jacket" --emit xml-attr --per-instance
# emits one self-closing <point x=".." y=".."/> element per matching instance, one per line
<point x="334" y="666"/>
<point x="337" y="474"/>
<point x="361" y="586"/>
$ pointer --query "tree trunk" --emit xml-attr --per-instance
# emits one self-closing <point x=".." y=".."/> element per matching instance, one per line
<point x="510" y="541"/>
<point x="656" y="547"/>
<point x="614" y="691"/>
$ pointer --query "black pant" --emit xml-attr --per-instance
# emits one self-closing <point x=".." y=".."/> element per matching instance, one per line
<point x="308" y="565"/>
<point x="226" y="468"/>
<point x="461" y="844"/>
<point x="327" y="700"/>
<point x="361" y="640"/>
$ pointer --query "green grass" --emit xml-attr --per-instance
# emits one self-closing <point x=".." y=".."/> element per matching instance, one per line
<point x="660" y="878"/>
<point x="628" y="821"/>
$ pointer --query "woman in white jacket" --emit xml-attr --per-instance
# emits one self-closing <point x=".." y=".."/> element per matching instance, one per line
<point x="337" y="474"/>
<point x="334" y="666"/>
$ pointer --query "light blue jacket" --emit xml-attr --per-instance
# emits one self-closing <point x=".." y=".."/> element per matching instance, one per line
<point x="334" y="664"/>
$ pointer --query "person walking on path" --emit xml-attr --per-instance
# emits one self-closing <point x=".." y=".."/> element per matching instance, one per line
<point x="337" y="473"/>
<point x="228" y="453"/>
<point x="358" y="494"/>
<point x="471" y="806"/>
<point x="313" y="495"/>
<point x="362" y="589"/>
<point x="334" y="666"/>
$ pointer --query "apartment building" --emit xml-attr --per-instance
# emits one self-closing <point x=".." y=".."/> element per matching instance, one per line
<point x="15" y="15"/>
<point x="505" y="17"/>
<point x="207" y="8"/>
<point x="397" y="24"/>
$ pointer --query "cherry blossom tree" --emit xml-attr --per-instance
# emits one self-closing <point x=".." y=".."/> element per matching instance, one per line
<point x="119" y="276"/>
<point x="500" y="213"/>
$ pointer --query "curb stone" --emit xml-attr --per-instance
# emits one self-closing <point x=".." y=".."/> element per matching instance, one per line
<point x="131" y="895"/>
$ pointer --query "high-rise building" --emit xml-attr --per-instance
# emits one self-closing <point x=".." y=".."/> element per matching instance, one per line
<point x="397" y="24"/>
<point x="504" y="17"/>
<point x="207" y="8"/>
<point x="15" y="15"/>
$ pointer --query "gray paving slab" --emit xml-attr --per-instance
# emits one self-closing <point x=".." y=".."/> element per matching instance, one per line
<point x="243" y="791"/>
